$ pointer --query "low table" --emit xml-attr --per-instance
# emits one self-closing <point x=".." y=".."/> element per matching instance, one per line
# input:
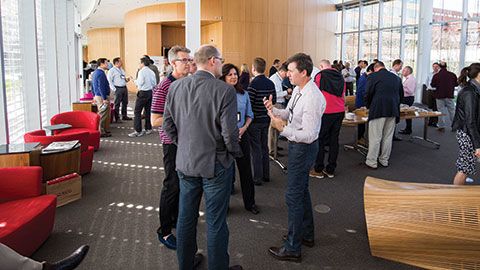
<point x="22" y="154"/>
<point x="53" y="128"/>
<point x="60" y="163"/>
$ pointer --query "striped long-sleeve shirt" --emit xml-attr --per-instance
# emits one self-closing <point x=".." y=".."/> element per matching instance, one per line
<point x="158" y="103"/>
<point x="261" y="87"/>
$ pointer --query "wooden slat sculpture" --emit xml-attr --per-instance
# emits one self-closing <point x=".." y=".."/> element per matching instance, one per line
<point x="427" y="225"/>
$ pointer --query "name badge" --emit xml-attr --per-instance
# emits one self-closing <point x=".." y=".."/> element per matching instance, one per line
<point x="122" y="76"/>
<point x="238" y="116"/>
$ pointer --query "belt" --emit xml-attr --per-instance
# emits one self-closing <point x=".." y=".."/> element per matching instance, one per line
<point x="292" y="142"/>
<point x="120" y="86"/>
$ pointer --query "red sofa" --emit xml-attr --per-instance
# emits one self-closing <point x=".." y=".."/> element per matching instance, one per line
<point x="86" y="158"/>
<point x="26" y="216"/>
<point x="80" y="121"/>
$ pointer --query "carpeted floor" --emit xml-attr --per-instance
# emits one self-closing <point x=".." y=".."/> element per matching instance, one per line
<point x="118" y="214"/>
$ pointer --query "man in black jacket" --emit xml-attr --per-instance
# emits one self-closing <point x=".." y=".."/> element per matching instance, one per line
<point x="383" y="96"/>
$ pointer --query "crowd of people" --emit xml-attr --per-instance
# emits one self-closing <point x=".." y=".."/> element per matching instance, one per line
<point x="212" y="115"/>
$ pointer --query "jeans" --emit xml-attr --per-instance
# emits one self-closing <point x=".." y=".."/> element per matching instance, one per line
<point x="329" y="132"/>
<point x="121" y="97"/>
<point x="299" y="204"/>
<point x="409" y="101"/>
<point x="447" y="107"/>
<point x="245" y="171"/>
<point x="144" y="101"/>
<point x="168" y="213"/>
<point x="258" y="133"/>
<point x="217" y="196"/>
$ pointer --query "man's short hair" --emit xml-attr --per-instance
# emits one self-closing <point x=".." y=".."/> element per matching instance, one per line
<point x="204" y="53"/>
<point x="443" y="64"/>
<point x="379" y="64"/>
<point x="101" y="61"/>
<point x="371" y="67"/>
<point x="276" y="61"/>
<point x="172" y="53"/>
<point x="410" y="69"/>
<point x="259" y="64"/>
<point x="326" y="63"/>
<point x="397" y="62"/>
<point x="303" y="61"/>
<point x="283" y="67"/>
<point x="116" y="60"/>
<point x="145" y="61"/>
<point x="436" y="63"/>
<point x="365" y="62"/>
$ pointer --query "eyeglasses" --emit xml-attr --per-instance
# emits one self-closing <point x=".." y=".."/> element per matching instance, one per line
<point x="294" y="103"/>
<point x="184" y="60"/>
<point x="219" y="58"/>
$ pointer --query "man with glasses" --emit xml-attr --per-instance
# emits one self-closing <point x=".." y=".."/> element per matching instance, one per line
<point x="206" y="135"/>
<point x="180" y="60"/>
<point x="118" y="84"/>
<point x="304" y="113"/>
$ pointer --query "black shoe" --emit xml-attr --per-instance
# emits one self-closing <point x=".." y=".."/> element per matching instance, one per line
<point x="396" y="139"/>
<point x="254" y="210"/>
<point x="126" y="118"/>
<point x="405" y="132"/>
<point x="235" y="267"/>
<point x="197" y="260"/>
<point x="281" y="254"/>
<point x="433" y="125"/>
<point x="266" y="179"/>
<point x="305" y="242"/>
<point x="279" y="148"/>
<point x="257" y="183"/>
<point x="70" y="262"/>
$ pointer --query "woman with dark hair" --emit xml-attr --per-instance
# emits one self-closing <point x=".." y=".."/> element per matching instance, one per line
<point x="244" y="117"/>
<point x="467" y="123"/>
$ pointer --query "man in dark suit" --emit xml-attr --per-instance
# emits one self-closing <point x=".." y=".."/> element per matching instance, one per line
<point x="383" y="96"/>
<point x="444" y="82"/>
<point x="274" y="68"/>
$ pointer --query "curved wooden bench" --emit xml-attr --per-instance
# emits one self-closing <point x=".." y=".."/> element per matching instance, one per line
<point x="428" y="225"/>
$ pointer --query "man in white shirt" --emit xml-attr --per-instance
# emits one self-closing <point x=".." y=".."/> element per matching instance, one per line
<point x="431" y="102"/>
<point x="349" y="74"/>
<point x="118" y="85"/>
<point x="277" y="79"/>
<point x="304" y="115"/>
<point x="145" y="82"/>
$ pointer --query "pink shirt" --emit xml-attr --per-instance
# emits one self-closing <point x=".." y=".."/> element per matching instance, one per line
<point x="409" y="86"/>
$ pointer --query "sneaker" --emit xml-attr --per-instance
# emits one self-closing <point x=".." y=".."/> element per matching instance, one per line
<point x="316" y="174"/>
<point x="136" y="134"/>
<point x="329" y="175"/>
<point x="148" y="131"/>
<point x="170" y="241"/>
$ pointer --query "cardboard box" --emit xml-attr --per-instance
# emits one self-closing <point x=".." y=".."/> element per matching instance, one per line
<point x="68" y="188"/>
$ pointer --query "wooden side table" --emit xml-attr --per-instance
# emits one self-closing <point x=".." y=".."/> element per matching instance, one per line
<point x="60" y="163"/>
<point x="23" y="154"/>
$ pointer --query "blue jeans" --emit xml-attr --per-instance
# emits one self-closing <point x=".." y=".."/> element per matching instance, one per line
<point x="300" y="214"/>
<point x="217" y="195"/>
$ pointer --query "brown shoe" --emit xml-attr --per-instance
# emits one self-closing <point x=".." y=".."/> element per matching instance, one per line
<point x="316" y="174"/>
<point x="280" y="253"/>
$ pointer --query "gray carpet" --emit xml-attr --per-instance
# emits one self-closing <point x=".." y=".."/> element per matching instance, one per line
<point x="118" y="214"/>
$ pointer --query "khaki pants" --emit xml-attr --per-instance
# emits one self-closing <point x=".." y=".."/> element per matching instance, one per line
<point x="380" y="137"/>
<point x="104" y="113"/>
<point x="11" y="260"/>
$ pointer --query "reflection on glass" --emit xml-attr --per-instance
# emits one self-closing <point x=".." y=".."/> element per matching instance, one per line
<point x="472" y="52"/>
<point x="392" y="13"/>
<point x="390" y="46"/>
<point x="351" y="47"/>
<point x="412" y="12"/>
<point x="369" y="45"/>
<point x="446" y="44"/>
<point x="411" y="44"/>
<point x="447" y="10"/>
<point x="473" y="8"/>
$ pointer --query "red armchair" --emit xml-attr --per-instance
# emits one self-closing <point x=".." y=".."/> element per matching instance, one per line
<point x="26" y="216"/>
<point x="80" y="121"/>
<point x="86" y="158"/>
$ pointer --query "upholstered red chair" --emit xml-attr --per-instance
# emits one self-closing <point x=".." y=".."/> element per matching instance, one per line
<point x="86" y="158"/>
<point x="80" y="121"/>
<point x="26" y="216"/>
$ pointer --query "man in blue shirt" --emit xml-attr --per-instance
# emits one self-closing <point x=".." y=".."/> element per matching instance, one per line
<point x="101" y="90"/>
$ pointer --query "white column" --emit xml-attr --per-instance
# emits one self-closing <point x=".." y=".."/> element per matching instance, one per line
<point x="30" y="81"/>
<point x="51" y="72"/>
<point x="360" y="34"/>
<point x="380" y="26"/>
<point x="63" y="65"/>
<point x="424" y="45"/>
<point x="402" y="30"/>
<point x="72" y="43"/>
<point x="463" y="37"/>
<point x="3" y="94"/>
<point x="192" y="24"/>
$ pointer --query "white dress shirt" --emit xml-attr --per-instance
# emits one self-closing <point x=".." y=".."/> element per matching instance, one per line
<point x="428" y="82"/>
<point x="349" y="74"/>
<point x="277" y="80"/>
<point x="146" y="80"/>
<point x="116" y="77"/>
<point x="304" y="114"/>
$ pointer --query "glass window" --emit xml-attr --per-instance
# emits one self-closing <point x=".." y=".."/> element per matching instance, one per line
<point x="392" y="13"/>
<point x="369" y="45"/>
<point x="351" y="19"/>
<point x="351" y="47"/>
<point x="390" y="46"/>
<point x="473" y="8"/>
<point x="411" y="44"/>
<point x="472" y="52"/>
<point x="338" y="51"/>
<point x="370" y="16"/>
<point x="13" y="70"/>
<point x="412" y="12"/>
<point x="339" y="21"/>
<point x="41" y="62"/>
<point x="446" y="44"/>
<point x="447" y="10"/>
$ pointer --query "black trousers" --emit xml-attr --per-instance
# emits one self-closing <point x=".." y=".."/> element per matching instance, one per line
<point x="409" y="101"/>
<point x="245" y="170"/>
<point x="143" y="102"/>
<point x="361" y="131"/>
<point x="121" y="97"/>
<point x="330" y="130"/>
<point x="349" y="86"/>
<point x="168" y="212"/>
<point x="258" y="133"/>
<point x="432" y="104"/>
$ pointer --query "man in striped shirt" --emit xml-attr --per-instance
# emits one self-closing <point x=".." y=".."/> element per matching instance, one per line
<point x="260" y="87"/>
<point x="179" y="58"/>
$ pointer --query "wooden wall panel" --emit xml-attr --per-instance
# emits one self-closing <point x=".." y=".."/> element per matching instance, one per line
<point x="212" y="34"/>
<point x="296" y="13"/>
<point x="135" y="40"/>
<point x="256" y="41"/>
<point x="105" y="42"/>
<point x="234" y="11"/>
<point x="173" y="36"/>
<point x="154" y="39"/>
<point x="256" y="11"/>
<point x="295" y="40"/>
<point x="85" y="53"/>
<point x="211" y="10"/>
<point x="277" y="39"/>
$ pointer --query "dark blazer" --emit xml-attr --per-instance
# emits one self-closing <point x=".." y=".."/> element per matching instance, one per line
<point x="467" y="113"/>
<point x="272" y="71"/>
<point x="201" y="118"/>
<point x="244" y="80"/>
<point x="383" y="95"/>
<point x="445" y="82"/>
